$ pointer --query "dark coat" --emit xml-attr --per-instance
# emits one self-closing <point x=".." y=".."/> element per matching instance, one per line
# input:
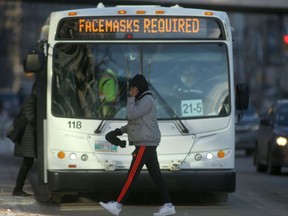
<point x="28" y="146"/>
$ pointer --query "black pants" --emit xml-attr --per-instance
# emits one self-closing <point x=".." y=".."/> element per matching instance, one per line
<point x="144" y="155"/>
<point x="22" y="174"/>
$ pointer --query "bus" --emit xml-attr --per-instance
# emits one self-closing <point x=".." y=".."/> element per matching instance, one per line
<point x="186" y="56"/>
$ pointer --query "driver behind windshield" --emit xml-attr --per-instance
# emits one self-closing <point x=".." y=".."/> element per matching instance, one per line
<point x="188" y="81"/>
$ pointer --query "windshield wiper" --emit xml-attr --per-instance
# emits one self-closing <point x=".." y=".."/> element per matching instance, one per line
<point x="101" y="126"/>
<point x="170" y="111"/>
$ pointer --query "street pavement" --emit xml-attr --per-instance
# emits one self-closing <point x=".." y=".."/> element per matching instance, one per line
<point x="9" y="164"/>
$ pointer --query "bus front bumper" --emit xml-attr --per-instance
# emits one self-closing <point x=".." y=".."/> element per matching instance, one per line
<point x="112" y="181"/>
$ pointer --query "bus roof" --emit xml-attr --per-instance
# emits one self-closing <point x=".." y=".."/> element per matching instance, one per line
<point x="133" y="9"/>
<point x="123" y="12"/>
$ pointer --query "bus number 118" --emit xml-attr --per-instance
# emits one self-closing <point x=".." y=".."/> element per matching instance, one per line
<point x="75" y="124"/>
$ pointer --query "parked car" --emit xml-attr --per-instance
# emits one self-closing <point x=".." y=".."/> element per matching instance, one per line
<point x="271" y="150"/>
<point x="246" y="131"/>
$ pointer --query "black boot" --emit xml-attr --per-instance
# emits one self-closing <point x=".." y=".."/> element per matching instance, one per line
<point x="18" y="190"/>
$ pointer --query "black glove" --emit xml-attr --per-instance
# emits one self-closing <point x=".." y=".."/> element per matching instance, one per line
<point x="122" y="143"/>
<point x="118" y="132"/>
<point x="114" y="140"/>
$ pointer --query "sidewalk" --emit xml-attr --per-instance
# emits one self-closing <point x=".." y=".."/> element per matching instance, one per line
<point x="9" y="165"/>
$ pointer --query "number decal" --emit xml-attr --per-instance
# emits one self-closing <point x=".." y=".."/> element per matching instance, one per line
<point x="192" y="107"/>
<point x="75" y="124"/>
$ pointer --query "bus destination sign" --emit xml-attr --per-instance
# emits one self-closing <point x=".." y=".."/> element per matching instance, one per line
<point x="137" y="25"/>
<point x="117" y="28"/>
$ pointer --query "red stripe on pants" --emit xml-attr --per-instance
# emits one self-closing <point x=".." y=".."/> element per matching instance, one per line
<point x="132" y="173"/>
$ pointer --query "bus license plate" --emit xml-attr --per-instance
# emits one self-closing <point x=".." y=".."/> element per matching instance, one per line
<point x="105" y="147"/>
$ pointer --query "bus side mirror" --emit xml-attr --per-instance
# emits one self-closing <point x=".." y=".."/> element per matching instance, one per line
<point x="242" y="96"/>
<point x="33" y="62"/>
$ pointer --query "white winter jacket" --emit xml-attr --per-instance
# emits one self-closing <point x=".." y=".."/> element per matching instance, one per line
<point x="142" y="127"/>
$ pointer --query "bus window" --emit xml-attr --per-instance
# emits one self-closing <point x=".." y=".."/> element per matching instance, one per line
<point x="168" y="67"/>
<point x="191" y="78"/>
<point x="74" y="93"/>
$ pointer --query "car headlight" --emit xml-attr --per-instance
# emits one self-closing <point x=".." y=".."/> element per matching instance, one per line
<point x="281" y="141"/>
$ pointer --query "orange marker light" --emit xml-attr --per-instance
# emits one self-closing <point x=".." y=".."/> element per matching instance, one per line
<point x="61" y="155"/>
<point x="159" y="12"/>
<point x="73" y="13"/>
<point x="221" y="154"/>
<point x="208" y="13"/>
<point x="122" y="12"/>
<point x="140" y="12"/>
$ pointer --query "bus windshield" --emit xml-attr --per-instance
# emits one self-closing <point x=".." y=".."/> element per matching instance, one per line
<point x="188" y="80"/>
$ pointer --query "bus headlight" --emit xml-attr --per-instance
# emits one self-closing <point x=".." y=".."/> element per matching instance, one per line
<point x="281" y="141"/>
<point x="209" y="155"/>
<point x="198" y="157"/>
<point x="72" y="156"/>
<point x="84" y="157"/>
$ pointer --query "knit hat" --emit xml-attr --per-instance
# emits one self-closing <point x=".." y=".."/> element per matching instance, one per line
<point x="141" y="83"/>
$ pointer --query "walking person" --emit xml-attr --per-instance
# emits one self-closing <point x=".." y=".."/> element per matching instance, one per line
<point x="26" y="148"/>
<point x="143" y="132"/>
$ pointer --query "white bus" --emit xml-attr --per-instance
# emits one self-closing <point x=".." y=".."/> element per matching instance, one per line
<point x="185" y="54"/>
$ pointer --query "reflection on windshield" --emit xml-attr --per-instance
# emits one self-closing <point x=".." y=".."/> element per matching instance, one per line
<point x="282" y="116"/>
<point x="91" y="80"/>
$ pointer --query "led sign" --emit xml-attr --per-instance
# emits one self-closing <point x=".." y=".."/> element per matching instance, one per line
<point x="144" y="27"/>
